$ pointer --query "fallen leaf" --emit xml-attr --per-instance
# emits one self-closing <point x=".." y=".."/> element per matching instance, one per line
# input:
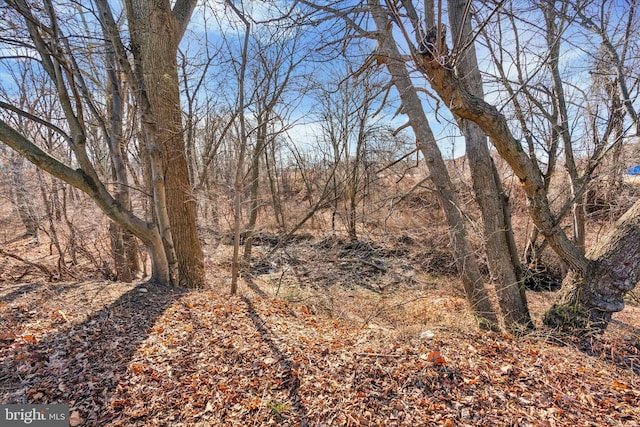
<point x="75" y="419"/>
<point x="30" y="339"/>
<point x="436" y="358"/>
<point x="506" y="368"/>
<point x="427" y="335"/>
<point x="8" y="337"/>
<point x="59" y="314"/>
<point x="137" y="368"/>
<point x="618" y="384"/>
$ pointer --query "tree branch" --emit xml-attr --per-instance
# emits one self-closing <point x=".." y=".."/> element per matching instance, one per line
<point x="182" y="11"/>
<point x="38" y="157"/>
<point x="35" y="119"/>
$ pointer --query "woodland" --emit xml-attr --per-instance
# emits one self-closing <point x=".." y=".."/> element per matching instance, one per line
<point x="319" y="213"/>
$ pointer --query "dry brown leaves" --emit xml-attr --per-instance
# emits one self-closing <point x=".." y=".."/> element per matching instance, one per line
<point x="138" y="356"/>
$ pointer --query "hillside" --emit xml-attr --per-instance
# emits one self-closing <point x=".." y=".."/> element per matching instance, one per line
<point x="337" y="339"/>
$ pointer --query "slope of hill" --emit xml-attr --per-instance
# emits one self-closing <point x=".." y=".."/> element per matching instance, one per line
<point x="125" y="355"/>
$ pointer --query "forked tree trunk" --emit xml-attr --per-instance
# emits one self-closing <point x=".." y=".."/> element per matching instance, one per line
<point x="85" y="177"/>
<point x="466" y="262"/>
<point x="498" y="235"/>
<point x="591" y="299"/>
<point x="596" y="287"/>
<point x="561" y="125"/>
<point x="147" y="232"/>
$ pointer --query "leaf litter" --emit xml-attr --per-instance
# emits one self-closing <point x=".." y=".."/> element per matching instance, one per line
<point x="124" y="355"/>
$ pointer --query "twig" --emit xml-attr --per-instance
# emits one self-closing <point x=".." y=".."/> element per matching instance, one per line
<point x="366" y="262"/>
<point x="395" y="356"/>
<point x="41" y="267"/>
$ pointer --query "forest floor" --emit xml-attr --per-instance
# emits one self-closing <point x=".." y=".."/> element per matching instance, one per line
<point x="327" y="333"/>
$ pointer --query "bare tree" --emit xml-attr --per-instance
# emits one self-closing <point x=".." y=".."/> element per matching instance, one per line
<point x="598" y="18"/>
<point x="499" y="242"/>
<point x="273" y="75"/>
<point x="466" y="261"/>
<point x="56" y="58"/>
<point x="597" y="283"/>
<point x="387" y="53"/>
<point x="156" y="72"/>
<point x="243" y="137"/>
<point x="347" y="118"/>
<point x="124" y="247"/>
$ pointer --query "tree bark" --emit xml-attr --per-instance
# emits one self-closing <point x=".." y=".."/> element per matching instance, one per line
<point x="591" y="299"/>
<point x="261" y="141"/>
<point x="21" y="197"/>
<point x="274" y="187"/>
<point x="125" y="253"/>
<point x="155" y="34"/>
<point x="493" y="202"/>
<point x="465" y="258"/>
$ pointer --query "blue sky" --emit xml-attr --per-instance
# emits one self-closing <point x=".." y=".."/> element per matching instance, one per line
<point x="216" y="28"/>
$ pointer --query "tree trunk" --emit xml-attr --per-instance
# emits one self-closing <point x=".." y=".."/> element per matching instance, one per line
<point x="243" y="137"/>
<point x="52" y="233"/>
<point x="147" y="232"/>
<point x="274" y="188"/>
<point x="561" y="115"/>
<point x="591" y="299"/>
<point x="597" y="284"/>
<point x="119" y="253"/>
<point x="353" y="179"/>
<point x="498" y="235"/>
<point x="22" y="200"/>
<point x="125" y="254"/>
<point x="237" y="199"/>
<point x="464" y="255"/>
<point x="255" y="185"/>
<point x="155" y="33"/>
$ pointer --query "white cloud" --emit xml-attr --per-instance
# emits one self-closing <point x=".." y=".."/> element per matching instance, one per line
<point x="304" y="133"/>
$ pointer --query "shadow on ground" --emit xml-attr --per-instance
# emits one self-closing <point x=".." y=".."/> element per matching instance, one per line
<point x="81" y="364"/>
<point x="290" y="379"/>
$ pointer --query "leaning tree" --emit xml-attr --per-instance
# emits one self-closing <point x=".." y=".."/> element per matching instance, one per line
<point x="47" y="33"/>
<point x="597" y="282"/>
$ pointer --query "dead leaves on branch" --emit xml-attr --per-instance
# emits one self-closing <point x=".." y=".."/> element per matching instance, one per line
<point x="157" y="358"/>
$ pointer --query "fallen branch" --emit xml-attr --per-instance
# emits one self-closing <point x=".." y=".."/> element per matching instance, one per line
<point x="40" y="267"/>
<point x="373" y="264"/>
